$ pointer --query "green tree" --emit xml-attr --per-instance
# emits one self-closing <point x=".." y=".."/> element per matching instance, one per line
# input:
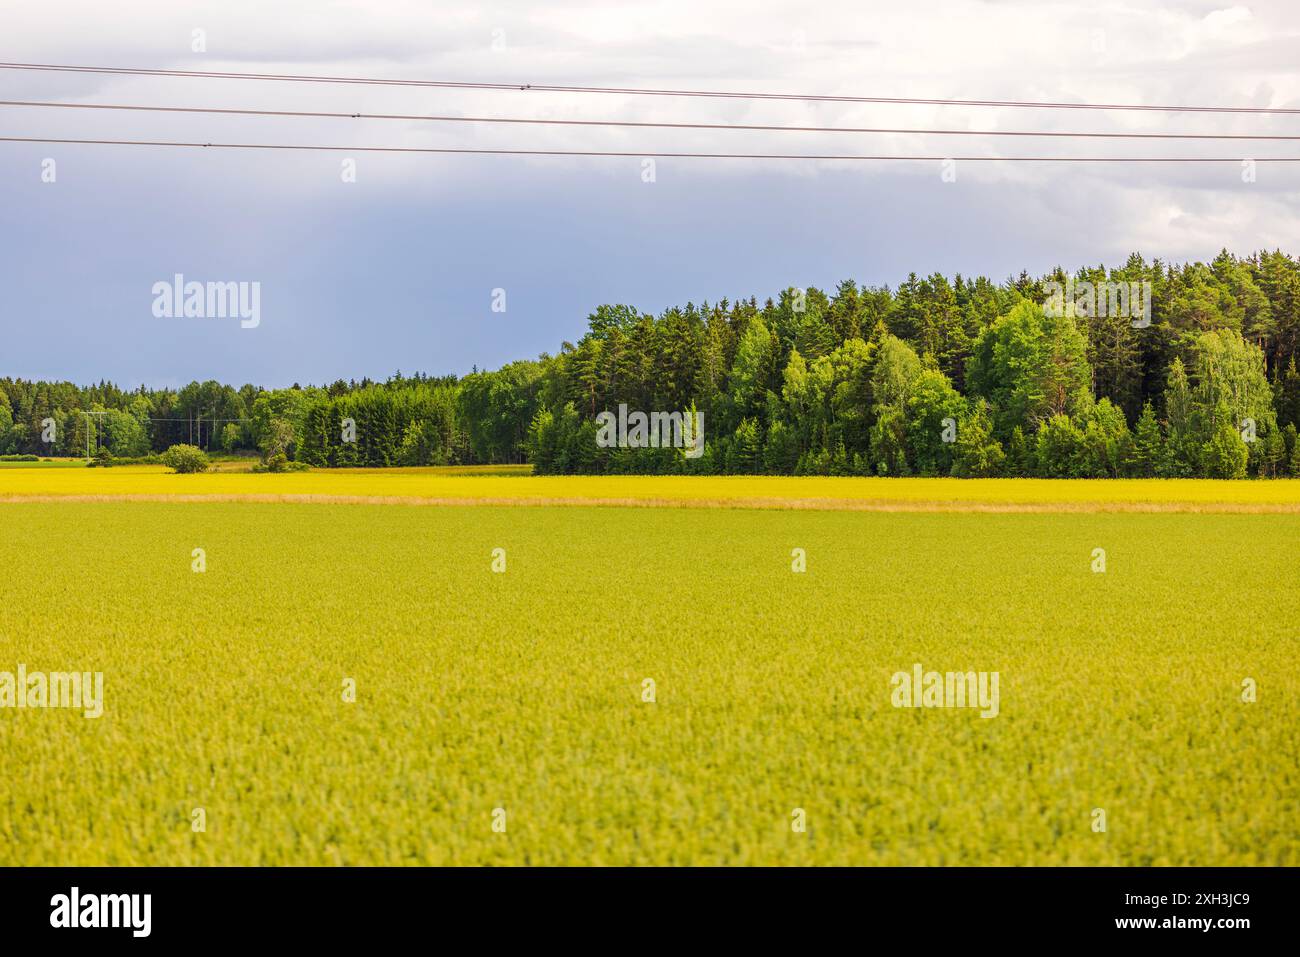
<point x="1224" y="455"/>
<point x="1148" y="445"/>
<point x="1181" y="451"/>
<point x="1030" y="366"/>
<point x="1059" y="448"/>
<point x="781" y="452"/>
<point x="978" y="453"/>
<point x="123" y="434"/>
<point x="230" y="437"/>
<point x="1107" y="450"/>
<point x="185" y="459"/>
<point x="276" y="438"/>
<point x="1019" y="455"/>
<point x="747" y="450"/>
<point x="754" y="368"/>
<point x="934" y="408"/>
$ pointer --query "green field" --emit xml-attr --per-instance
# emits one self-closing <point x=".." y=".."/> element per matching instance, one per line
<point x="522" y="690"/>
<point x="45" y="464"/>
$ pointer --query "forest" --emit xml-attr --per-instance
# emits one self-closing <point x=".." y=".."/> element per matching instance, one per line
<point x="962" y="377"/>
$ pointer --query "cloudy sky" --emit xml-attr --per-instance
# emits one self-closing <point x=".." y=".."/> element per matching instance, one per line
<point x="397" y="270"/>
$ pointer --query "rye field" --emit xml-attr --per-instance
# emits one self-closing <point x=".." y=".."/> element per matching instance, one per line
<point x="633" y="671"/>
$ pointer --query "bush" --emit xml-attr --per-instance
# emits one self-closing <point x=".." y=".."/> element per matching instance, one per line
<point x="185" y="459"/>
<point x="20" y="458"/>
<point x="280" y="463"/>
<point x="103" y="458"/>
<point x="153" y="458"/>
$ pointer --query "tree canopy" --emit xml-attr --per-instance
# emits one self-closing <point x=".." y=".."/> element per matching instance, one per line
<point x="936" y="377"/>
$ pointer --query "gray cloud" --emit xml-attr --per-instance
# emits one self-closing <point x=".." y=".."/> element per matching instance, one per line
<point x="396" y="269"/>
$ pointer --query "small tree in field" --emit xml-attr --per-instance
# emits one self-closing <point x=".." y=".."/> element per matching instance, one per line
<point x="185" y="459"/>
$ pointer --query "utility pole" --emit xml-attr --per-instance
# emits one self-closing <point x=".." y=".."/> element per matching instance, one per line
<point x="88" y="415"/>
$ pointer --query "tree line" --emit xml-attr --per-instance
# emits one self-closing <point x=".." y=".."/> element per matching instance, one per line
<point x="963" y="377"/>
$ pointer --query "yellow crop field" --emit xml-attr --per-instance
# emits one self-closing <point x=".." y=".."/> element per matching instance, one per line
<point x="306" y="683"/>
<point x="514" y="485"/>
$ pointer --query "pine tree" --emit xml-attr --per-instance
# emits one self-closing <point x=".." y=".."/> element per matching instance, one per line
<point x="1274" y="454"/>
<point x="780" y="452"/>
<point x="1148" y="444"/>
<point x="1288" y="399"/>
<point x="1020" y="455"/>
<point x="1180" y="447"/>
<point x="747" y="451"/>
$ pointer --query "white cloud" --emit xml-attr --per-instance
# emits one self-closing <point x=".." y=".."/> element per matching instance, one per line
<point x="997" y="218"/>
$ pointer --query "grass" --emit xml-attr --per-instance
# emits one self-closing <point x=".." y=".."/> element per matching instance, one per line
<point x="45" y="464"/>
<point x="523" y="690"/>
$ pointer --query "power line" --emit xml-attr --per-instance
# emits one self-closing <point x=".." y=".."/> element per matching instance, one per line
<point x="640" y="124"/>
<point x="149" y="418"/>
<point x="633" y="91"/>
<point x="655" y="154"/>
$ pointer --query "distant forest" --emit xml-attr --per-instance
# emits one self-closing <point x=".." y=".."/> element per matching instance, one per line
<point x="963" y="377"/>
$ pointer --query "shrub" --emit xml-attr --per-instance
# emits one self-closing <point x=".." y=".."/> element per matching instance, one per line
<point x="185" y="459"/>
<point x="280" y="463"/>
<point x="103" y="458"/>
